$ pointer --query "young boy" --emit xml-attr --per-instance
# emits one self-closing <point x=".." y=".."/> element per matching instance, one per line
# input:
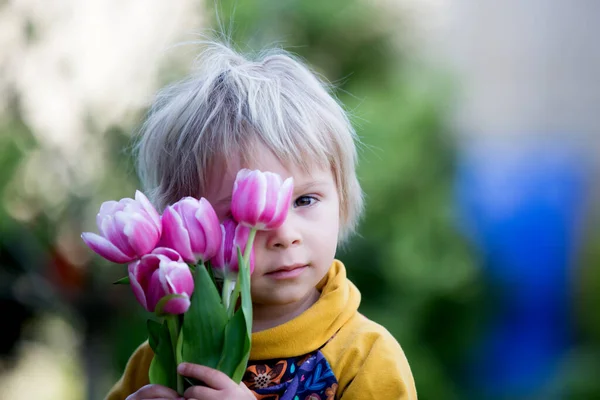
<point x="309" y="341"/>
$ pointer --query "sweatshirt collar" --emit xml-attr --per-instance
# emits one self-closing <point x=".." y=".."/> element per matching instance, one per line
<point x="310" y="330"/>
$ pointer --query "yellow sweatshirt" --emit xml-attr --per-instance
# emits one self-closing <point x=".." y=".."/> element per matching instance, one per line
<point x="330" y="351"/>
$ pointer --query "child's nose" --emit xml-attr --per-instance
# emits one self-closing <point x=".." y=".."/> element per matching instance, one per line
<point x="283" y="237"/>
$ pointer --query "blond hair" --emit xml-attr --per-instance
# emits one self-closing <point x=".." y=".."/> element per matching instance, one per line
<point x="230" y="102"/>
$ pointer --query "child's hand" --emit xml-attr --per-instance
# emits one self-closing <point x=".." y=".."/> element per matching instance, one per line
<point x="218" y="385"/>
<point x="157" y="392"/>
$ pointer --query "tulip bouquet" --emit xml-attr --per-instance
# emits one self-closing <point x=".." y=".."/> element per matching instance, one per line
<point x="192" y="272"/>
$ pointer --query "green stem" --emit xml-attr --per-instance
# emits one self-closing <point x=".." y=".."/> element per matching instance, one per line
<point x="208" y="267"/>
<point x="225" y="291"/>
<point x="234" y="294"/>
<point x="243" y="266"/>
<point x="173" y="325"/>
<point x="249" y="245"/>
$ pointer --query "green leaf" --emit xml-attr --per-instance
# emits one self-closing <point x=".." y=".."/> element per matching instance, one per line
<point x="179" y="348"/>
<point x="162" y="368"/>
<point x="238" y="333"/>
<point x="153" y="333"/>
<point x="204" y="322"/>
<point x="244" y="278"/>
<point x="236" y="347"/>
<point x="247" y="311"/>
<point x="211" y="273"/>
<point x="123" y="281"/>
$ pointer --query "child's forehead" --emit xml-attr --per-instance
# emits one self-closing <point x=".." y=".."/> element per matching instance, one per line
<point x="267" y="162"/>
<point x="259" y="156"/>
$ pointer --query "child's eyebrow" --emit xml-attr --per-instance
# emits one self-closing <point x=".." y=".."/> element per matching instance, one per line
<point x="309" y="185"/>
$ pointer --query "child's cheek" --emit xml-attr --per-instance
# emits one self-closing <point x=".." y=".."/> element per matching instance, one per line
<point x="259" y="264"/>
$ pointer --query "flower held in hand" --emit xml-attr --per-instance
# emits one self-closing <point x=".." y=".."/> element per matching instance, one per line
<point x="234" y="235"/>
<point x="159" y="274"/>
<point x="128" y="229"/>
<point x="191" y="227"/>
<point x="261" y="200"/>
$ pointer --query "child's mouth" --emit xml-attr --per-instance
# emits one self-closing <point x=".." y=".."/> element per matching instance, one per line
<point x="288" y="272"/>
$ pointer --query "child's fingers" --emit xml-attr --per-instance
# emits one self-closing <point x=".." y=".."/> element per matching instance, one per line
<point x="154" y="392"/>
<point x="211" y="377"/>
<point x="202" y="392"/>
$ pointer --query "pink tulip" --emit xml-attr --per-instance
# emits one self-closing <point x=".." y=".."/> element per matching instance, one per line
<point x="162" y="273"/>
<point x="191" y="227"/>
<point x="261" y="200"/>
<point x="128" y="229"/>
<point x="234" y="235"/>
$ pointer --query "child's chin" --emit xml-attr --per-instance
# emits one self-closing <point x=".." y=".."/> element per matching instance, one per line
<point x="298" y="296"/>
<point x="285" y="296"/>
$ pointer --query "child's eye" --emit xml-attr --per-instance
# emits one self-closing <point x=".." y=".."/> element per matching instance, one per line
<point x="305" y="201"/>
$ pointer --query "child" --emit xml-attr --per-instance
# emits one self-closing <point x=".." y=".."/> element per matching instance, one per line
<point x="309" y="341"/>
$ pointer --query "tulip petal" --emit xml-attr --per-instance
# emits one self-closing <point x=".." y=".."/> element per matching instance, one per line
<point x="144" y="268"/>
<point x="105" y="248"/>
<point x="230" y="252"/>
<point x="138" y="291"/>
<point x="175" y="236"/>
<point x="207" y="217"/>
<point x="240" y="240"/>
<point x="155" y="290"/>
<point x="241" y="175"/>
<point x="248" y="198"/>
<point x="141" y="233"/>
<point x="273" y="183"/>
<point x="177" y="278"/>
<point x="177" y="305"/>
<point x="112" y="228"/>
<point x="167" y="252"/>
<point x="187" y="210"/>
<point x="284" y="198"/>
<point x="130" y="207"/>
<point x="241" y="235"/>
<point x="107" y="208"/>
<point x="232" y="236"/>
<point x="148" y="207"/>
<point x="218" y="260"/>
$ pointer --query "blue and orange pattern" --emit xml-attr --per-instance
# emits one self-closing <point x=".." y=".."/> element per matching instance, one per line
<point x="307" y="377"/>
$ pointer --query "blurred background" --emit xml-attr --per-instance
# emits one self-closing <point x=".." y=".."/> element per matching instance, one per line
<point x="480" y="246"/>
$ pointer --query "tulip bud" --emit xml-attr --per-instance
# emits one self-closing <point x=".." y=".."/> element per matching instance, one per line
<point x="128" y="229"/>
<point x="260" y="200"/>
<point x="159" y="274"/>
<point x="234" y="235"/>
<point x="191" y="227"/>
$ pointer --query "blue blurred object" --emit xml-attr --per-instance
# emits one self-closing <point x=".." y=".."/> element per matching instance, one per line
<point x="521" y="205"/>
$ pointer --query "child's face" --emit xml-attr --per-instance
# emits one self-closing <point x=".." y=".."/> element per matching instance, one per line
<point x="306" y="242"/>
